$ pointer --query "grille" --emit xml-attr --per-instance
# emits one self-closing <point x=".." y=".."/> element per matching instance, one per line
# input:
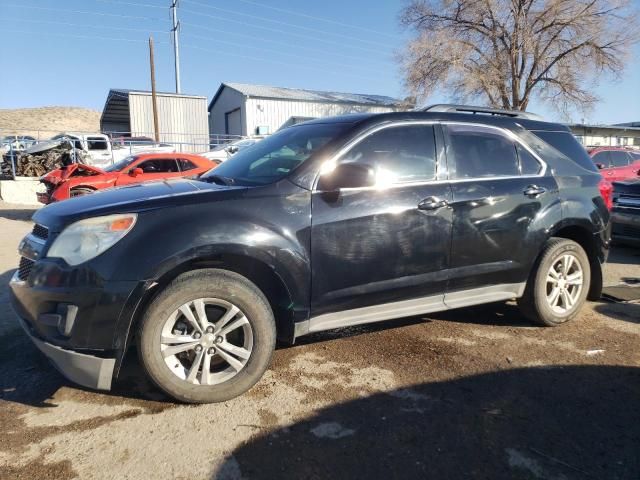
<point x="40" y="231"/>
<point x="24" y="269"/>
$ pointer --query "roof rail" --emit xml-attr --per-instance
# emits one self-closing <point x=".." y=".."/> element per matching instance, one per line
<point x="445" y="107"/>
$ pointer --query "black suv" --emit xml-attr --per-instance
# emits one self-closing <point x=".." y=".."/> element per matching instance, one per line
<point x="333" y="222"/>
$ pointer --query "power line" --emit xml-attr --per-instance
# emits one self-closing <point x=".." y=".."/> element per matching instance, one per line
<point x="92" y="37"/>
<point x="108" y="27"/>
<point x="287" y="24"/>
<point x="132" y="4"/>
<point x="275" y="42"/>
<point x="321" y="19"/>
<point x="268" y="50"/>
<point x="84" y="12"/>
<point x="276" y="62"/>
<point x="276" y="30"/>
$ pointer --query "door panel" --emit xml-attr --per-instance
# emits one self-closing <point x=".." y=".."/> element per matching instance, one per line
<point x="375" y="246"/>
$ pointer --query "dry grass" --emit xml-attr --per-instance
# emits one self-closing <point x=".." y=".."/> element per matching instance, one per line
<point x="45" y="122"/>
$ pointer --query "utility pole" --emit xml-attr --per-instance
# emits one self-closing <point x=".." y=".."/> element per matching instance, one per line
<point x="176" y="48"/>
<point x="152" y="65"/>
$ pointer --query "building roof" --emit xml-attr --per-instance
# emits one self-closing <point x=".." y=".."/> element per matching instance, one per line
<point x="298" y="94"/>
<point x="125" y="92"/>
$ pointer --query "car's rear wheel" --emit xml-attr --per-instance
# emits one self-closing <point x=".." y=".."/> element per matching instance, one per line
<point x="558" y="285"/>
<point x="81" y="191"/>
<point x="208" y="337"/>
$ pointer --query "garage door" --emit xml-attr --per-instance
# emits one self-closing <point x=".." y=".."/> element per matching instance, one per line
<point x="233" y="122"/>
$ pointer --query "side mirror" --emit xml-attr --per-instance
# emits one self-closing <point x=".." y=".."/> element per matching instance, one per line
<point x="231" y="149"/>
<point x="136" y="172"/>
<point x="348" y="175"/>
<point x="600" y="165"/>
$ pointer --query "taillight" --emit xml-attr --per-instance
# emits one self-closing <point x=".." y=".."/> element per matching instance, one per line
<point x="606" y="190"/>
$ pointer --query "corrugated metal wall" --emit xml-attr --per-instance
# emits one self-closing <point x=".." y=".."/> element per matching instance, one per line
<point x="181" y="119"/>
<point x="228" y="101"/>
<point x="274" y="113"/>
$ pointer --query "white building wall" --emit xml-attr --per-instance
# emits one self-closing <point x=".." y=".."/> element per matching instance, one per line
<point x="182" y="120"/>
<point x="274" y="113"/>
<point x="227" y="101"/>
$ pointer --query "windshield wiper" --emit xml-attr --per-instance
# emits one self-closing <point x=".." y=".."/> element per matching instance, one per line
<point x="220" y="180"/>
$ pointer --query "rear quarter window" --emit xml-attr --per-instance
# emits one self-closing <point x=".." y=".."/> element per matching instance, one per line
<point x="567" y="145"/>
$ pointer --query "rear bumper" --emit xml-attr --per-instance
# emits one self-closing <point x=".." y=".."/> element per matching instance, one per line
<point x="86" y="370"/>
<point x="626" y="226"/>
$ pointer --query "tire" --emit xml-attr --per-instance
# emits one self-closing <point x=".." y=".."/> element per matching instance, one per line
<point x="540" y="302"/>
<point x="81" y="191"/>
<point x="235" y="364"/>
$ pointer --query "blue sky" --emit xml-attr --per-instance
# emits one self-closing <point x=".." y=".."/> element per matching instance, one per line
<point x="71" y="52"/>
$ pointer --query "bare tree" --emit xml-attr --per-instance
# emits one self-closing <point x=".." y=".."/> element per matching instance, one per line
<point x="504" y="52"/>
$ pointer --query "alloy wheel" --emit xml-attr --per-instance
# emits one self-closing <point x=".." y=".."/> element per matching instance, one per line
<point x="564" y="283"/>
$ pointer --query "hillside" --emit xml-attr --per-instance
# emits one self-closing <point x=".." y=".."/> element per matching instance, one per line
<point x="45" y="122"/>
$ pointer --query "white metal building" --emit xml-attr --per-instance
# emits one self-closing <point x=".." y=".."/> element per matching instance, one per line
<point x="245" y="109"/>
<point x="182" y="118"/>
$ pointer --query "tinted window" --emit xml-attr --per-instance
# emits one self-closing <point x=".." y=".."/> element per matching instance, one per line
<point x="528" y="163"/>
<point x="619" y="158"/>
<point x="601" y="157"/>
<point x="565" y="143"/>
<point x="275" y="157"/>
<point x="125" y="162"/>
<point x="186" y="165"/>
<point x="398" y="154"/>
<point x="476" y="152"/>
<point x="159" y="165"/>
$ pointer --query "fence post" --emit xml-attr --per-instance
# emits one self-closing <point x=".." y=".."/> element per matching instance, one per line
<point x="13" y="160"/>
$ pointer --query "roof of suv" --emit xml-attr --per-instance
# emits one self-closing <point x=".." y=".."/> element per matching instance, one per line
<point x="497" y="120"/>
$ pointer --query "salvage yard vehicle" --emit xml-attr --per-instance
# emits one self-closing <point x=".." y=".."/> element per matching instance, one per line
<point x="616" y="163"/>
<point x="326" y="224"/>
<point x="226" y="151"/>
<point x="625" y="216"/>
<point x="77" y="179"/>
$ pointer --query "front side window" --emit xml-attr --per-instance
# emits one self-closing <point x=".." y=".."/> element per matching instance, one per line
<point x="477" y="152"/>
<point x="277" y="156"/>
<point x="619" y="158"/>
<point x="186" y="165"/>
<point x="97" y="143"/>
<point x="601" y="158"/>
<point x="398" y="154"/>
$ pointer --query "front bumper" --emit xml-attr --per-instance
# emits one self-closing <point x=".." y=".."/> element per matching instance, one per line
<point x="86" y="370"/>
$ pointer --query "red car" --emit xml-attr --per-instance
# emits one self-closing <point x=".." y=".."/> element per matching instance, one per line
<point x="616" y="163"/>
<point x="78" y="179"/>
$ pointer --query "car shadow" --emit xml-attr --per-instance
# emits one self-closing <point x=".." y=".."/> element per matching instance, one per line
<point x="628" y="312"/>
<point x="552" y="423"/>
<point x="624" y="255"/>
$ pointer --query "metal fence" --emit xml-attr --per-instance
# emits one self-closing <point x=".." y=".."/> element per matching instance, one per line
<point x="105" y="149"/>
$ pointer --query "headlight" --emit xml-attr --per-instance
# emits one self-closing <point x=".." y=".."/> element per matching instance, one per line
<point x="88" y="238"/>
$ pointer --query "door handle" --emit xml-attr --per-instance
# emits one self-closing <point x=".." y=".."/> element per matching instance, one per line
<point x="432" y="203"/>
<point x="533" y="191"/>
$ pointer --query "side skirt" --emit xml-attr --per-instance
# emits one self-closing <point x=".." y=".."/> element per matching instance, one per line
<point x="407" y="308"/>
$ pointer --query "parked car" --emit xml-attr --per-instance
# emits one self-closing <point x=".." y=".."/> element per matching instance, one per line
<point x="326" y="224"/>
<point x="626" y="212"/>
<point x="17" y="142"/>
<point x="227" y="150"/>
<point x="616" y="163"/>
<point x="77" y="179"/>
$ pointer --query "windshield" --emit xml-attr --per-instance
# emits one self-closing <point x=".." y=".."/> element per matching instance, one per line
<point x="274" y="158"/>
<point x="125" y="162"/>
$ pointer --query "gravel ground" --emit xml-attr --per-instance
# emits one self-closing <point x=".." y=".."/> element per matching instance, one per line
<point x="471" y="393"/>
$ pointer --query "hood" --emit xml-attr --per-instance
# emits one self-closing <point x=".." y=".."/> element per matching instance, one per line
<point x="138" y="197"/>
<point x="74" y="170"/>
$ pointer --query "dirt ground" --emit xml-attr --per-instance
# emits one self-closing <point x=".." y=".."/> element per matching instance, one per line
<point x="45" y="122"/>
<point x="471" y="393"/>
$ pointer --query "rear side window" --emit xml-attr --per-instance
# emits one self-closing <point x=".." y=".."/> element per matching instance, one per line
<point x="160" y="165"/>
<point x="528" y="163"/>
<point x="398" y="154"/>
<point x="566" y="143"/>
<point x="186" y="165"/>
<point x="619" y="158"/>
<point x="477" y="152"/>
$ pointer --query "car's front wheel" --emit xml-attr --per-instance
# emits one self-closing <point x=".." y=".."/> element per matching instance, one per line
<point x="208" y="337"/>
<point x="558" y="285"/>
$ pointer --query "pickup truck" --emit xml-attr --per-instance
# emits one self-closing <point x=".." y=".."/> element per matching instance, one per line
<point x="102" y="151"/>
